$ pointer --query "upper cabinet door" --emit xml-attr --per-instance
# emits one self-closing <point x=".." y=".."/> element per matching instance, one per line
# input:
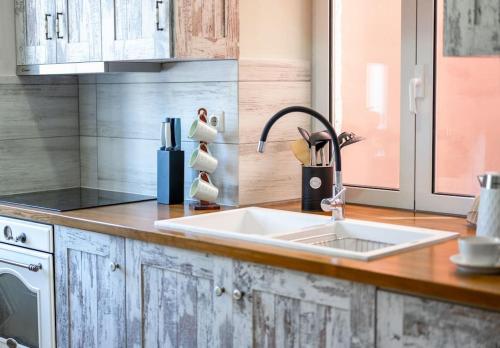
<point x="78" y="31"/>
<point x="35" y="31"/>
<point x="136" y="29"/>
<point x="206" y="29"/>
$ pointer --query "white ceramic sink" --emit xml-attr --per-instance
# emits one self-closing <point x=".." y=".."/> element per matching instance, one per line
<point x="354" y="239"/>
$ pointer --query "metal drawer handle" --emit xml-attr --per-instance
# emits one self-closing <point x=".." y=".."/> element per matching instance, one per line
<point x="31" y="267"/>
<point x="158" y="3"/>
<point x="47" y="16"/>
<point x="113" y="266"/>
<point x="58" y="25"/>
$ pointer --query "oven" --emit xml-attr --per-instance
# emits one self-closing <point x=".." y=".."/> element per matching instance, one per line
<point x="27" y="317"/>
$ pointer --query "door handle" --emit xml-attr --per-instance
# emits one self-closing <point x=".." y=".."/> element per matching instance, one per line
<point x="158" y="3"/>
<point x="58" y="25"/>
<point x="31" y="267"/>
<point x="47" y="16"/>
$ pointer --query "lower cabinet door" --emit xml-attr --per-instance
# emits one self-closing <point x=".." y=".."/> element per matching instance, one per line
<point x="176" y="298"/>
<point x="284" y="308"/>
<point x="408" y="321"/>
<point x="90" y="289"/>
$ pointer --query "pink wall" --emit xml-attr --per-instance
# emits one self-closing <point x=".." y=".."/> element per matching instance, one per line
<point x="467" y="118"/>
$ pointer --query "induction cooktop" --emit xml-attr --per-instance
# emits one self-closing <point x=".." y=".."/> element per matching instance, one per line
<point x="72" y="199"/>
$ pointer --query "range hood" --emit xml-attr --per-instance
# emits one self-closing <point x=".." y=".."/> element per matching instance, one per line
<point x="88" y="68"/>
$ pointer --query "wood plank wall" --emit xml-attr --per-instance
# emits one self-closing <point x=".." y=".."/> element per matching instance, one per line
<point x="39" y="147"/>
<point x="265" y="87"/>
<point x="120" y="116"/>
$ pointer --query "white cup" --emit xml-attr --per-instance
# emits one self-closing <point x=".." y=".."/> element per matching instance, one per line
<point x="481" y="251"/>
<point x="203" y="189"/>
<point x="202" y="159"/>
<point x="201" y="131"/>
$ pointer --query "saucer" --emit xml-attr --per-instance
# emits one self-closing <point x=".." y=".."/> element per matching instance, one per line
<point x="474" y="268"/>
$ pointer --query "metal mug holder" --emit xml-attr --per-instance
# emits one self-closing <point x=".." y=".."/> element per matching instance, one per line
<point x="203" y="205"/>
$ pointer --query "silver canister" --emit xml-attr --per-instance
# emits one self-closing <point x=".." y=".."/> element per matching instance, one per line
<point x="488" y="223"/>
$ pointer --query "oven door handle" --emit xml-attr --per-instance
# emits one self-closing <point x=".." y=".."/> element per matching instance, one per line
<point x="31" y="267"/>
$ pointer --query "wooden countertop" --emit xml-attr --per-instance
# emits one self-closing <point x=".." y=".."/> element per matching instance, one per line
<point x="426" y="271"/>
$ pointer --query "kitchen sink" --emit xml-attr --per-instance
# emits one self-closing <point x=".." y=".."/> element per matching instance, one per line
<point x="354" y="239"/>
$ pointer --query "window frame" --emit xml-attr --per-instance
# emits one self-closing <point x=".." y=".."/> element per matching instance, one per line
<point x="425" y="198"/>
<point x="402" y="198"/>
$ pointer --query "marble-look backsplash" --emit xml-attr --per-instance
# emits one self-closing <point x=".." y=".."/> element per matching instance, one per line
<point x="120" y="118"/>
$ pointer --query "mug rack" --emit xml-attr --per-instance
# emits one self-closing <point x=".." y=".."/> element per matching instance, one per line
<point x="201" y="204"/>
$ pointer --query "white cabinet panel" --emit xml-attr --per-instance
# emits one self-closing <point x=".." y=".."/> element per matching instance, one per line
<point x="136" y="29"/>
<point x="78" y="31"/>
<point x="35" y="31"/>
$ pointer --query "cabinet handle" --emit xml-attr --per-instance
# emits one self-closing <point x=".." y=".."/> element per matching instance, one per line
<point x="31" y="267"/>
<point x="158" y="3"/>
<point x="114" y="266"/>
<point x="58" y="25"/>
<point x="224" y="19"/>
<point x="47" y="16"/>
<point x="219" y="291"/>
<point x="237" y="294"/>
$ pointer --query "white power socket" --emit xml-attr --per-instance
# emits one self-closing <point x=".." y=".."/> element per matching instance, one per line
<point x="217" y="121"/>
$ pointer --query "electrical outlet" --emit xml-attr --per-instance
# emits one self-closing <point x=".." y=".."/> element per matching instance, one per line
<point x="217" y="121"/>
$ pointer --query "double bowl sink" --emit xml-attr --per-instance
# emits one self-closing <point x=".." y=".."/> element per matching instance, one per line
<point x="353" y="239"/>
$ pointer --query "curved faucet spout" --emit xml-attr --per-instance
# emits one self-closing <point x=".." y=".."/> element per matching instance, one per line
<point x="338" y="191"/>
<point x="313" y="113"/>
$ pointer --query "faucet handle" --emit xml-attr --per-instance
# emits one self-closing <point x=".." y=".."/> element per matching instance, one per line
<point x="334" y="203"/>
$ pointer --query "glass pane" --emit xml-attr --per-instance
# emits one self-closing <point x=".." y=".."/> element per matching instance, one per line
<point x="367" y="80"/>
<point x="467" y="110"/>
<point x="18" y="311"/>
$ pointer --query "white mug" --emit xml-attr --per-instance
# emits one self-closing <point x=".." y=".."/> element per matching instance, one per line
<point x="203" y="189"/>
<point x="202" y="131"/>
<point x="202" y="159"/>
<point x="481" y="251"/>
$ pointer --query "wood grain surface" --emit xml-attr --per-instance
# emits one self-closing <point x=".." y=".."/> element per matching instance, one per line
<point x="424" y="272"/>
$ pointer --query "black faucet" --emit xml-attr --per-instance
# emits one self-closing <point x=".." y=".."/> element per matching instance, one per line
<point x="336" y="203"/>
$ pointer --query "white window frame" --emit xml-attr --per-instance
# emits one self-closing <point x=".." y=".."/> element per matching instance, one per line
<point x="416" y="131"/>
<point x="425" y="198"/>
<point x="404" y="197"/>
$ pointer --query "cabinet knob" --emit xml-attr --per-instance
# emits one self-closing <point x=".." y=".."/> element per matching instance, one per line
<point x="219" y="290"/>
<point x="237" y="294"/>
<point x="21" y="238"/>
<point x="7" y="233"/>
<point x="114" y="266"/>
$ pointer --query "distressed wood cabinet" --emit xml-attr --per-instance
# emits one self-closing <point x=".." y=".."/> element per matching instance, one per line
<point x="284" y="308"/>
<point x="136" y="29"/>
<point x="90" y="289"/>
<point x="78" y="31"/>
<point x="412" y="321"/>
<point x="176" y="298"/>
<point x="35" y="31"/>
<point x="206" y="29"/>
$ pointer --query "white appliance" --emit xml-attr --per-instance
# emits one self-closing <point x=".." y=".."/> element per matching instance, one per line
<point x="27" y="317"/>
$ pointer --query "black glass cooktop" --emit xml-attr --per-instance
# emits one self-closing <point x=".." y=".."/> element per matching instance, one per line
<point x="72" y="199"/>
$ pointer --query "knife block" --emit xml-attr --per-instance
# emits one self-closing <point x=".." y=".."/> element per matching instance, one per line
<point x="317" y="184"/>
<point x="170" y="177"/>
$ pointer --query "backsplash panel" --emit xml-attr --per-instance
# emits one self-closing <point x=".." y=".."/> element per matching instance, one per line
<point x="136" y="110"/>
<point x="120" y="116"/>
<point x="39" y="164"/>
<point x="39" y="142"/>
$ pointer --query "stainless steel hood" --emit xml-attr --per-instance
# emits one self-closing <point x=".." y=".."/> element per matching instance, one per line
<point x="88" y="68"/>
